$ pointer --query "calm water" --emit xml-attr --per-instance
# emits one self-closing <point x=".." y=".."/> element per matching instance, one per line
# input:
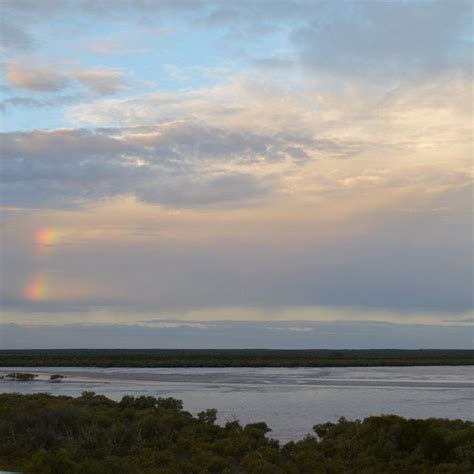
<point x="290" y="401"/>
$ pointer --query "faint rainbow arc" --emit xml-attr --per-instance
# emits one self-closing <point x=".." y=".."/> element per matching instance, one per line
<point x="48" y="236"/>
<point x="37" y="288"/>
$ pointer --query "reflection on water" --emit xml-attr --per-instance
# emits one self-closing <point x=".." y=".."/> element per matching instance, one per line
<point x="289" y="400"/>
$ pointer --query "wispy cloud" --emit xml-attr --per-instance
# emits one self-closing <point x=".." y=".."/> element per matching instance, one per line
<point x="37" y="77"/>
<point x="101" y="80"/>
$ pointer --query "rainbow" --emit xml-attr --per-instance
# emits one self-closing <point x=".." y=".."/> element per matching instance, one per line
<point x="37" y="288"/>
<point x="47" y="236"/>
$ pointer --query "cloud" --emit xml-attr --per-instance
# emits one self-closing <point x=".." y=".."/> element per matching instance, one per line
<point x="33" y="102"/>
<point x="460" y="320"/>
<point x="19" y="19"/>
<point x="235" y="189"/>
<point x="297" y="329"/>
<point x="249" y="101"/>
<point x="22" y="20"/>
<point x="337" y="335"/>
<point x="179" y="165"/>
<point x="396" y="41"/>
<point x="96" y="166"/>
<point x="236" y="143"/>
<point x="174" y="324"/>
<point x="350" y="37"/>
<point x="322" y="156"/>
<point x="101" y="80"/>
<point x="398" y="38"/>
<point x="126" y="42"/>
<point x="34" y="77"/>
<point x="37" y="77"/>
<point x="342" y="254"/>
<point x="13" y="38"/>
<point x="114" y="47"/>
<point x="343" y="121"/>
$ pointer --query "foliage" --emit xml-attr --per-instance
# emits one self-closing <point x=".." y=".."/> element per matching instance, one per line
<point x="56" y="377"/>
<point x="91" y="434"/>
<point x="21" y="376"/>
<point x="231" y="358"/>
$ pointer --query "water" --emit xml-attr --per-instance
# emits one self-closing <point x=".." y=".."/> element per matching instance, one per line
<point x="289" y="400"/>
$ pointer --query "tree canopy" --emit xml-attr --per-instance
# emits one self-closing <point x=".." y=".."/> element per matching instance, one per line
<point x="91" y="434"/>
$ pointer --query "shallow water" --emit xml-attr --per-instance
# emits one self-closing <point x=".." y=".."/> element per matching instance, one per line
<point x="289" y="400"/>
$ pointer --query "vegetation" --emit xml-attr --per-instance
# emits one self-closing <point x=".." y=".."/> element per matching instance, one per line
<point x="56" y="378"/>
<point x="232" y="358"/>
<point x="21" y="376"/>
<point x="91" y="434"/>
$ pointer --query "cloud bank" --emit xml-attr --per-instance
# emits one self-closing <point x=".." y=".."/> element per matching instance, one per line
<point x="191" y="157"/>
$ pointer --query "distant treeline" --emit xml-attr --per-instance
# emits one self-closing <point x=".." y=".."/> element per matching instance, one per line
<point x="232" y="358"/>
<point x="94" y="435"/>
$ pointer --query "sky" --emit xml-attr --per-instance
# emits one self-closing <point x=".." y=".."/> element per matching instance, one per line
<point x="236" y="174"/>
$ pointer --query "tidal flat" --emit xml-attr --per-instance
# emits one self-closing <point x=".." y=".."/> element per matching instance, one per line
<point x="289" y="400"/>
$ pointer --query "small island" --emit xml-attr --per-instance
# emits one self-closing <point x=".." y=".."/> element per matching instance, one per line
<point x="56" y="378"/>
<point x="21" y="376"/>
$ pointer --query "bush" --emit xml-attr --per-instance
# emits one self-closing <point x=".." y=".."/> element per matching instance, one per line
<point x="21" y="377"/>
<point x="56" y="378"/>
<point x="92" y="434"/>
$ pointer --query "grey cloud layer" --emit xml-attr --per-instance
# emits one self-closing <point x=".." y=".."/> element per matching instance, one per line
<point x="324" y="335"/>
<point x="399" y="260"/>
<point x="399" y="38"/>
<point x="181" y="164"/>
<point x="355" y="38"/>
<point x="15" y="38"/>
<point x="20" y="17"/>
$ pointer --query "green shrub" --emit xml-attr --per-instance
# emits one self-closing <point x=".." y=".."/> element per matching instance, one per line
<point x="56" y="377"/>
<point x="21" y="377"/>
<point x="92" y="434"/>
